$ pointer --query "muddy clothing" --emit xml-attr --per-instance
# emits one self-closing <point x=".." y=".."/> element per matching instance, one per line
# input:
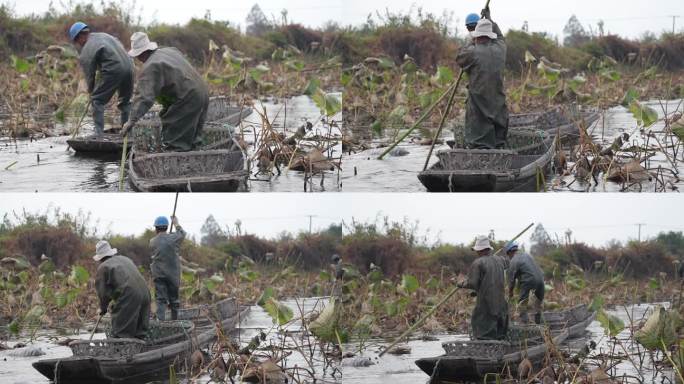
<point x="167" y="77"/>
<point x="119" y="280"/>
<point x="166" y="271"/>
<point x="525" y="270"/>
<point x="490" y="316"/>
<point x="104" y="55"/>
<point x="486" y="124"/>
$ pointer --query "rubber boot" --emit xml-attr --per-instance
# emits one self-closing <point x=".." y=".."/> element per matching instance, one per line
<point x="161" y="311"/>
<point x="524" y="318"/>
<point x="174" y="312"/>
<point x="125" y="113"/>
<point x="98" y="117"/>
<point x="538" y="318"/>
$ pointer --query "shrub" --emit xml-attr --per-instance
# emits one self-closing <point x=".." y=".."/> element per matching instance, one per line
<point x="456" y="258"/>
<point x="308" y="251"/>
<point x="639" y="260"/>
<point x="391" y="254"/>
<point x="578" y="254"/>
<point x="60" y="244"/>
<point x="426" y="46"/>
<point x="539" y="44"/>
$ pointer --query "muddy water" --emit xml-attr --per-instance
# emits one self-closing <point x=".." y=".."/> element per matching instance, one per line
<point x="402" y="369"/>
<point x="364" y="173"/>
<point x="18" y="370"/>
<point x="45" y="165"/>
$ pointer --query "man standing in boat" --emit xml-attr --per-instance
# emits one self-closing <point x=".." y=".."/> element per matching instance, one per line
<point x="119" y="280"/>
<point x="168" y="78"/>
<point x="166" y="266"/>
<point x="530" y="277"/>
<point x="486" y="125"/>
<point x="107" y="69"/>
<point x="489" y="320"/>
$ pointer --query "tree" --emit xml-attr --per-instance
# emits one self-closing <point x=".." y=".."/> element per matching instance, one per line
<point x="672" y="241"/>
<point x="540" y="241"/>
<point x="212" y="234"/>
<point x="257" y="23"/>
<point x="575" y="34"/>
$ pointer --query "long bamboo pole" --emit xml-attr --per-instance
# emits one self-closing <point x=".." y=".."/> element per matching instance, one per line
<point x="450" y="103"/>
<point x="123" y="163"/>
<point x="175" y="204"/>
<point x="441" y="302"/>
<point x="420" y="120"/>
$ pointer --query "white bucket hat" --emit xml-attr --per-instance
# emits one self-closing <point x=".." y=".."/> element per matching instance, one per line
<point x="484" y="28"/>
<point x="140" y="43"/>
<point x="481" y="243"/>
<point x="103" y="249"/>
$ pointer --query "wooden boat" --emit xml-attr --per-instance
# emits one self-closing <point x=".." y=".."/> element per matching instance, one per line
<point x="564" y="121"/>
<point x="112" y="143"/>
<point x="107" y="143"/>
<point x="575" y="320"/>
<point x="215" y="170"/>
<point x="475" y="359"/>
<point x="518" y="169"/>
<point x="129" y="360"/>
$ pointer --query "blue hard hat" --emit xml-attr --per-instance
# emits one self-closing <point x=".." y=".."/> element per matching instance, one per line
<point x="473" y="18"/>
<point x="511" y="247"/>
<point x="76" y="28"/>
<point x="161" y="221"/>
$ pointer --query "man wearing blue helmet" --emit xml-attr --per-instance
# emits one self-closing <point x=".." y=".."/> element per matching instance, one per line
<point x="471" y="21"/>
<point x="525" y="270"/>
<point x="484" y="61"/>
<point x="166" y="266"/>
<point x="107" y="69"/>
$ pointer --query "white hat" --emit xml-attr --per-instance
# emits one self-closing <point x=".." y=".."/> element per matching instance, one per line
<point x="103" y="249"/>
<point x="140" y="43"/>
<point x="481" y="243"/>
<point x="484" y="28"/>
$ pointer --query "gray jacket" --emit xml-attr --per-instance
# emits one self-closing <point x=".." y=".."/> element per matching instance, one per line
<point x="166" y="77"/>
<point x="166" y="255"/>
<point x="524" y="269"/>
<point x="104" y="53"/>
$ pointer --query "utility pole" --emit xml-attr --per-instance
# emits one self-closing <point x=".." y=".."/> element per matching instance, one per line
<point x="673" y="23"/>
<point x="310" y="222"/>
<point x="640" y="225"/>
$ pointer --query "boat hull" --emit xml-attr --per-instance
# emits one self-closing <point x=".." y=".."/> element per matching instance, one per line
<point x="142" y="367"/>
<point x="108" y="143"/>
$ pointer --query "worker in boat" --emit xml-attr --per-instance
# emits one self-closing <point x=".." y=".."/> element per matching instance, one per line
<point x="107" y="69"/>
<point x="118" y="280"/>
<point x="489" y="320"/>
<point x="168" y="78"/>
<point x="486" y="125"/>
<point x="530" y="278"/>
<point x="166" y="266"/>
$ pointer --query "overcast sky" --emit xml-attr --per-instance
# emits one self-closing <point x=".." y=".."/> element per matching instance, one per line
<point x="593" y="218"/>
<point x="625" y="17"/>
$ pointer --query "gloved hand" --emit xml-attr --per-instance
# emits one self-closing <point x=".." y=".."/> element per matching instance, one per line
<point x="103" y="311"/>
<point x="127" y="128"/>
<point x="486" y="14"/>
<point x="174" y="221"/>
